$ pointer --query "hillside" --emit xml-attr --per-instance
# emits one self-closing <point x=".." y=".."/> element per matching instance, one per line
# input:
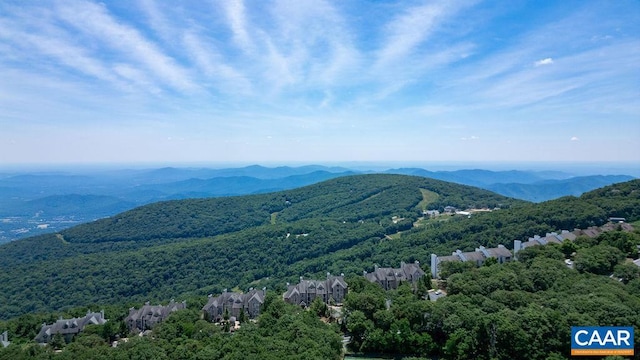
<point x="34" y="203"/>
<point x="195" y="247"/>
<point x="37" y="203"/>
<point x="205" y="245"/>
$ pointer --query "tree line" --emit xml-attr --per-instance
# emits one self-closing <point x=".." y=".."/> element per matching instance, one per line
<point x="518" y="310"/>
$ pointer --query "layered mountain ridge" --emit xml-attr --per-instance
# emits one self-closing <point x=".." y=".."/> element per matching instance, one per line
<point x="342" y="225"/>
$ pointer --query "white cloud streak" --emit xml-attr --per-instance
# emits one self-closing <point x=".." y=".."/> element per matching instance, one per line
<point x="209" y="62"/>
<point x="236" y="15"/>
<point x="543" y="62"/>
<point x="409" y="30"/>
<point x="157" y="20"/>
<point x="411" y="50"/>
<point x="317" y="67"/>
<point x="95" y="21"/>
<point x="508" y="78"/>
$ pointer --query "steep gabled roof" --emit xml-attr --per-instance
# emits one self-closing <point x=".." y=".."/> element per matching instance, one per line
<point x="153" y="314"/>
<point x="500" y="251"/>
<point x="70" y="326"/>
<point x="234" y="299"/>
<point x="318" y="287"/>
<point x="337" y="281"/>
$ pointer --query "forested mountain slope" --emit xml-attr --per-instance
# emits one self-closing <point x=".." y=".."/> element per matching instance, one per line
<point x="35" y="203"/>
<point x="353" y="198"/>
<point x="195" y="247"/>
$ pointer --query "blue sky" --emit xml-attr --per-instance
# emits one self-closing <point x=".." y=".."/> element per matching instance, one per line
<point x="319" y="81"/>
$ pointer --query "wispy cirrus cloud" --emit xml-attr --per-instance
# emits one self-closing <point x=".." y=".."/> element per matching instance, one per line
<point x="236" y="15"/>
<point x="575" y="73"/>
<point x="517" y="76"/>
<point x="94" y="21"/>
<point x="410" y="29"/>
<point x="308" y="44"/>
<point x="158" y="20"/>
<point x="411" y="50"/>
<point x="62" y="51"/>
<point x="31" y="35"/>
<point x="302" y="47"/>
<point x="350" y="71"/>
<point x="210" y="64"/>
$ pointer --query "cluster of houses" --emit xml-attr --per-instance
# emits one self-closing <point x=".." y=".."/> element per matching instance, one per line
<point x="558" y="238"/>
<point x="331" y="291"/>
<point x="390" y="278"/>
<point x="549" y="238"/>
<point x="502" y="254"/>
<point x="68" y="328"/>
<point x="478" y="257"/>
<point x="138" y="321"/>
<point x="143" y="319"/>
<point x="233" y="306"/>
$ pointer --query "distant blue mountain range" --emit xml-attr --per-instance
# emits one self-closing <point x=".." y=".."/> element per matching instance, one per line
<point x="33" y="203"/>
<point x="524" y="185"/>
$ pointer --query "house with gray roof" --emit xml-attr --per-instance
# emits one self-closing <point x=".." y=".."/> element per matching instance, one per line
<point x="4" y="339"/>
<point x="390" y="278"/>
<point x="591" y="231"/>
<point x="620" y="225"/>
<point x="555" y="238"/>
<point x="478" y="257"/>
<point x="233" y="304"/>
<point x="148" y="315"/>
<point x="500" y="253"/>
<point x="549" y="238"/>
<point x="68" y="328"/>
<point x="331" y="290"/>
